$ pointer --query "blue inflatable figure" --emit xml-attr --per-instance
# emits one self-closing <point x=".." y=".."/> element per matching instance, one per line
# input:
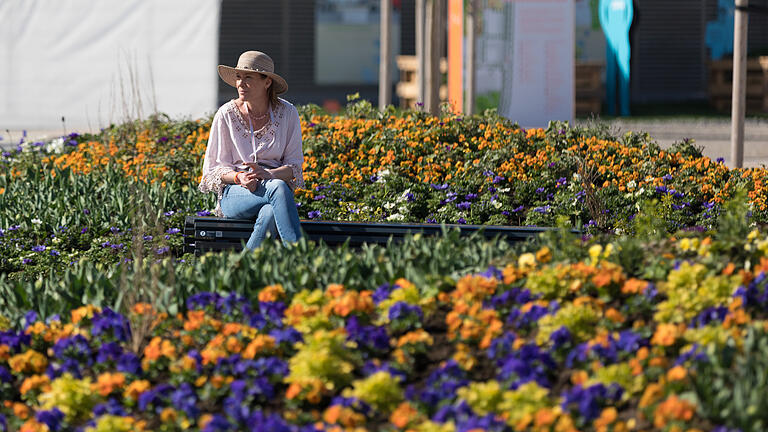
<point x="720" y="32"/>
<point x="616" y="19"/>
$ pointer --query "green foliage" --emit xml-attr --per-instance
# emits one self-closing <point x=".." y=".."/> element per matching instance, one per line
<point x="731" y="385"/>
<point x="425" y="261"/>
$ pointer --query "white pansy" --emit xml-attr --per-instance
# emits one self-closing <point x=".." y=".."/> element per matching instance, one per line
<point x="55" y="146"/>
<point x="503" y="190"/>
<point x="631" y="184"/>
<point x="389" y="205"/>
<point x="382" y="176"/>
<point x="396" y="217"/>
<point x="36" y="221"/>
<point x="497" y="204"/>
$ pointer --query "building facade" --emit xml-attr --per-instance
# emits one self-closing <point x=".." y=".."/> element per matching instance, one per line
<point x="328" y="49"/>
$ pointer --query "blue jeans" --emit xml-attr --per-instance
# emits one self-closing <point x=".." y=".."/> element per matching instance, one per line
<point x="271" y="205"/>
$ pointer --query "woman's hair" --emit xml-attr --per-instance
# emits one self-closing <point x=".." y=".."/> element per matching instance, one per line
<point x="271" y="95"/>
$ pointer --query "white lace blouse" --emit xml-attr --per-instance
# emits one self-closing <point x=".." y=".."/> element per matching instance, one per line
<point x="277" y="144"/>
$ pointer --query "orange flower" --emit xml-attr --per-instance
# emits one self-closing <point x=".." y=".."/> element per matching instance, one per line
<point x="334" y="290"/>
<point x="634" y="286"/>
<point x="233" y="345"/>
<point x="29" y="361"/>
<point x="259" y="344"/>
<point x="107" y="382"/>
<point x="159" y="347"/>
<point x="635" y="366"/>
<point x="607" y="417"/>
<point x="5" y="352"/>
<point x="677" y="373"/>
<point x="35" y="382"/>
<point x="271" y="293"/>
<point x="293" y="390"/>
<point x="544" y="255"/>
<point x="652" y="393"/>
<point x="614" y="315"/>
<point x="86" y="311"/>
<point x="20" y="410"/>
<point x="143" y="309"/>
<point x="194" y="320"/>
<point x="168" y="415"/>
<point x="666" y="335"/>
<point x="643" y="353"/>
<point x="416" y="336"/>
<point x="579" y="377"/>
<point x="728" y="270"/>
<point x="136" y="388"/>
<point x="231" y="328"/>
<point x="544" y="417"/>
<point x="403" y="415"/>
<point x="673" y="408"/>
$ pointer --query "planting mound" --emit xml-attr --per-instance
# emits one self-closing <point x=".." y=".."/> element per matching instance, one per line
<point x="663" y="334"/>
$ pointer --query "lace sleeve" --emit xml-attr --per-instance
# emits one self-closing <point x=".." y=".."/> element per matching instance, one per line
<point x="294" y="153"/>
<point x="218" y="157"/>
<point x="211" y="181"/>
<point x="298" y="176"/>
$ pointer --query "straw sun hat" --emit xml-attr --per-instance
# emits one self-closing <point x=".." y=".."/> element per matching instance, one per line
<point x="254" y="61"/>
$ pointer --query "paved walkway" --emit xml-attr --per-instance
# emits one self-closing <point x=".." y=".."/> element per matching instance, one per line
<point x="714" y="135"/>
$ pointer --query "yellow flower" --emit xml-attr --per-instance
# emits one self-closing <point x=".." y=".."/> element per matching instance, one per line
<point x="112" y="423"/>
<point x="526" y="261"/>
<point x="72" y="396"/>
<point x="594" y="253"/>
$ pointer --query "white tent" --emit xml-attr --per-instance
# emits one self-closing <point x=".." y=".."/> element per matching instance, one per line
<point x="95" y="62"/>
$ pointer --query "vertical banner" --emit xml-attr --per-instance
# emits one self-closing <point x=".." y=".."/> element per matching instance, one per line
<point x="456" y="54"/>
<point x="543" y="65"/>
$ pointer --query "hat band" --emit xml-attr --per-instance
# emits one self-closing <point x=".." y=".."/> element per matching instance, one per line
<point x="254" y="69"/>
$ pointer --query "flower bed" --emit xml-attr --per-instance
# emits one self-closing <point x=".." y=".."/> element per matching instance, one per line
<point x="102" y="197"/>
<point x="663" y="333"/>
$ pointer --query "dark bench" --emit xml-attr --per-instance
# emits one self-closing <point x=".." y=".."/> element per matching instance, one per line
<point x="203" y="234"/>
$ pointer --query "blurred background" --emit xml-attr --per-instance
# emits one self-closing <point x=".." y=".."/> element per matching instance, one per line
<point x="80" y="65"/>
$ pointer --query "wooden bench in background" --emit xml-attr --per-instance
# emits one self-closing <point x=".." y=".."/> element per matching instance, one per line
<point x="721" y="84"/>
<point x="407" y="88"/>
<point x="203" y="234"/>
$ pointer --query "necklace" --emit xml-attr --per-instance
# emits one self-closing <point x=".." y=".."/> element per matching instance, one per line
<point x="257" y="118"/>
<point x="254" y="117"/>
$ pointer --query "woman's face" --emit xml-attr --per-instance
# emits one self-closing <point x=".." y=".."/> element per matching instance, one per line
<point x="251" y="84"/>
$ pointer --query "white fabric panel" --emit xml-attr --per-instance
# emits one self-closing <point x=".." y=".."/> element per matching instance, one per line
<point x="101" y="61"/>
<point x="542" y="63"/>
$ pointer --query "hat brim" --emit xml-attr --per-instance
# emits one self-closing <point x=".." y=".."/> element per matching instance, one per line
<point x="229" y="75"/>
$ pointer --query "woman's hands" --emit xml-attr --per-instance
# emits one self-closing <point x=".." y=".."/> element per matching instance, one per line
<point x="251" y="180"/>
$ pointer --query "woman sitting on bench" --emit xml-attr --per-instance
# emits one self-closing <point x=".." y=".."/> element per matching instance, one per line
<point x="254" y="157"/>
